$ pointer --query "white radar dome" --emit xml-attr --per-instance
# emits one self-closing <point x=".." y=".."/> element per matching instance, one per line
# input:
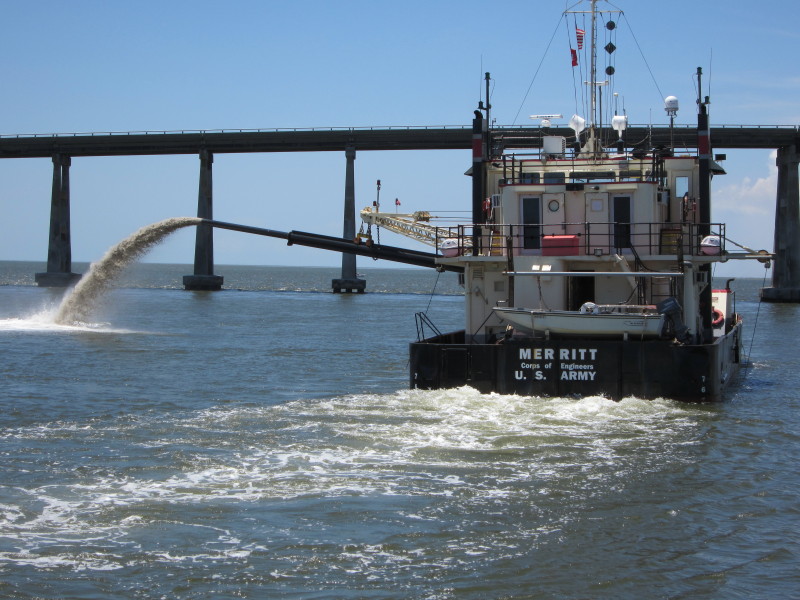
<point x="671" y="105"/>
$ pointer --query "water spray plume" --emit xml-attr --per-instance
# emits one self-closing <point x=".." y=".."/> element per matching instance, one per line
<point x="79" y="303"/>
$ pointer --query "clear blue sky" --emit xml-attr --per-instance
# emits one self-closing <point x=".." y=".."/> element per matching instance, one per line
<point x="93" y="66"/>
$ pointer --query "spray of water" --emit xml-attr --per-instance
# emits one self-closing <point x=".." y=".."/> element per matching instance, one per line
<point x="79" y="303"/>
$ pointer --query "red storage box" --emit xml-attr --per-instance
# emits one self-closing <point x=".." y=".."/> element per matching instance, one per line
<point x="560" y="245"/>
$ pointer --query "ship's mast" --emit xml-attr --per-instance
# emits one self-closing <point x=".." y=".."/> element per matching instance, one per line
<point x="592" y="145"/>
<point x="592" y="78"/>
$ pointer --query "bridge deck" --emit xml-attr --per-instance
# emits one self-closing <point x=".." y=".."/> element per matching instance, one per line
<point x="337" y="139"/>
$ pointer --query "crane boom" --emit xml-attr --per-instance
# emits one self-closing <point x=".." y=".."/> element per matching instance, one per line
<point x="412" y="225"/>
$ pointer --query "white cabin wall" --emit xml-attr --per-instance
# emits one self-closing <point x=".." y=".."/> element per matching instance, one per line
<point x="553" y="220"/>
<point x="485" y="287"/>
<point x="597" y="211"/>
<point x="526" y="288"/>
<point x="594" y="203"/>
<point x="510" y="205"/>
<point x="574" y="212"/>
<point x="612" y="290"/>
<point x="645" y="212"/>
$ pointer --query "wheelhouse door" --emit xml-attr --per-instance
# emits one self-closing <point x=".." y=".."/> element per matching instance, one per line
<point x="596" y="233"/>
<point x="531" y="208"/>
<point x="553" y="214"/>
<point x="621" y="215"/>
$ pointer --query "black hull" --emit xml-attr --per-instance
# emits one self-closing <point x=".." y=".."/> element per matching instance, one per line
<point x="570" y="367"/>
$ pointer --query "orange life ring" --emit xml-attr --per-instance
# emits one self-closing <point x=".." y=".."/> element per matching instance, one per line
<point x="719" y="318"/>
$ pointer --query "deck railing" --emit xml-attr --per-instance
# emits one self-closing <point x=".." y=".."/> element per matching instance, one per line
<point x="582" y="239"/>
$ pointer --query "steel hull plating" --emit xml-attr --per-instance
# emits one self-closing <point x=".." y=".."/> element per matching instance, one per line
<point x="613" y="368"/>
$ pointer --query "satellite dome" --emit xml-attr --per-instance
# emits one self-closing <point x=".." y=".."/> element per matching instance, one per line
<point x="671" y="105"/>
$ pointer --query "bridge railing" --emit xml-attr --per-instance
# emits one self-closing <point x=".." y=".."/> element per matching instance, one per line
<point x="497" y="129"/>
<point x="217" y="131"/>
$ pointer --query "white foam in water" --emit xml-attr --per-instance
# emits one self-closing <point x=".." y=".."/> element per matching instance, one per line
<point x="45" y="321"/>
<point x="74" y="312"/>
<point x="404" y="444"/>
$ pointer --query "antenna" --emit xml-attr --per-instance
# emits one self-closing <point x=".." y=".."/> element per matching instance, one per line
<point x="545" y="119"/>
<point x="593" y="144"/>
<point x="487" y="107"/>
<point x="671" y="106"/>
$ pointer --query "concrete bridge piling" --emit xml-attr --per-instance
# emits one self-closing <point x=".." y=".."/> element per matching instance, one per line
<point x="349" y="281"/>
<point x="203" y="277"/>
<point x="786" y="270"/>
<point x="59" y="248"/>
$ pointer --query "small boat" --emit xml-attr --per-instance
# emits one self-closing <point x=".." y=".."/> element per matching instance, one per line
<point x="609" y="321"/>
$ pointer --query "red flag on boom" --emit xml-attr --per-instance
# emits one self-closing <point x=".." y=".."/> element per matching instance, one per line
<point x="574" y="57"/>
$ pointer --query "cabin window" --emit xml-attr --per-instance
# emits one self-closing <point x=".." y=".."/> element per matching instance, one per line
<point x="554" y="177"/>
<point x="587" y="176"/>
<point x="681" y="187"/>
<point x="532" y="222"/>
<point x="529" y="178"/>
<point x="630" y="175"/>
<point x="621" y="216"/>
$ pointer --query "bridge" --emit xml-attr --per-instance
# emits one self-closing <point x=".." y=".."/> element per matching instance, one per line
<point x="453" y="137"/>
<point x="205" y="143"/>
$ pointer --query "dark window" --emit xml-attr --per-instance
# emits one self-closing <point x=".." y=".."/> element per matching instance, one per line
<point x="580" y="290"/>
<point x="622" y="222"/>
<point x="554" y="177"/>
<point x="532" y="221"/>
<point x="587" y="176"/>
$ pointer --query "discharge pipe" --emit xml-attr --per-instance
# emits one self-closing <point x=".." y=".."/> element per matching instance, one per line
<point x="325" y="242"/>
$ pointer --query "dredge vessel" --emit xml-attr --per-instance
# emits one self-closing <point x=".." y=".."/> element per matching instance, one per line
<point x="587" y="266"/>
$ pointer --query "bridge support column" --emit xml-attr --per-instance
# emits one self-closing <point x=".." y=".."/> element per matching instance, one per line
<point x="203" y="277"/>
<point x="59" y="250"/>
<point x="349" y="282"/>
<point x="786" y="270"/>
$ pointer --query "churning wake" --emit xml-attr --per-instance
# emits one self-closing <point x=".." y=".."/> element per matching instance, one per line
<point x="79" y="303"/>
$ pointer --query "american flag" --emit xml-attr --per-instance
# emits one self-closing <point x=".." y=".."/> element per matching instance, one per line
<point x="579" y="33"/>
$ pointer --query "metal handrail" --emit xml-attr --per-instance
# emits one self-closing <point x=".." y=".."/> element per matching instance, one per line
<point x="585" y="238"/>
<point x="423" y="320"/>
